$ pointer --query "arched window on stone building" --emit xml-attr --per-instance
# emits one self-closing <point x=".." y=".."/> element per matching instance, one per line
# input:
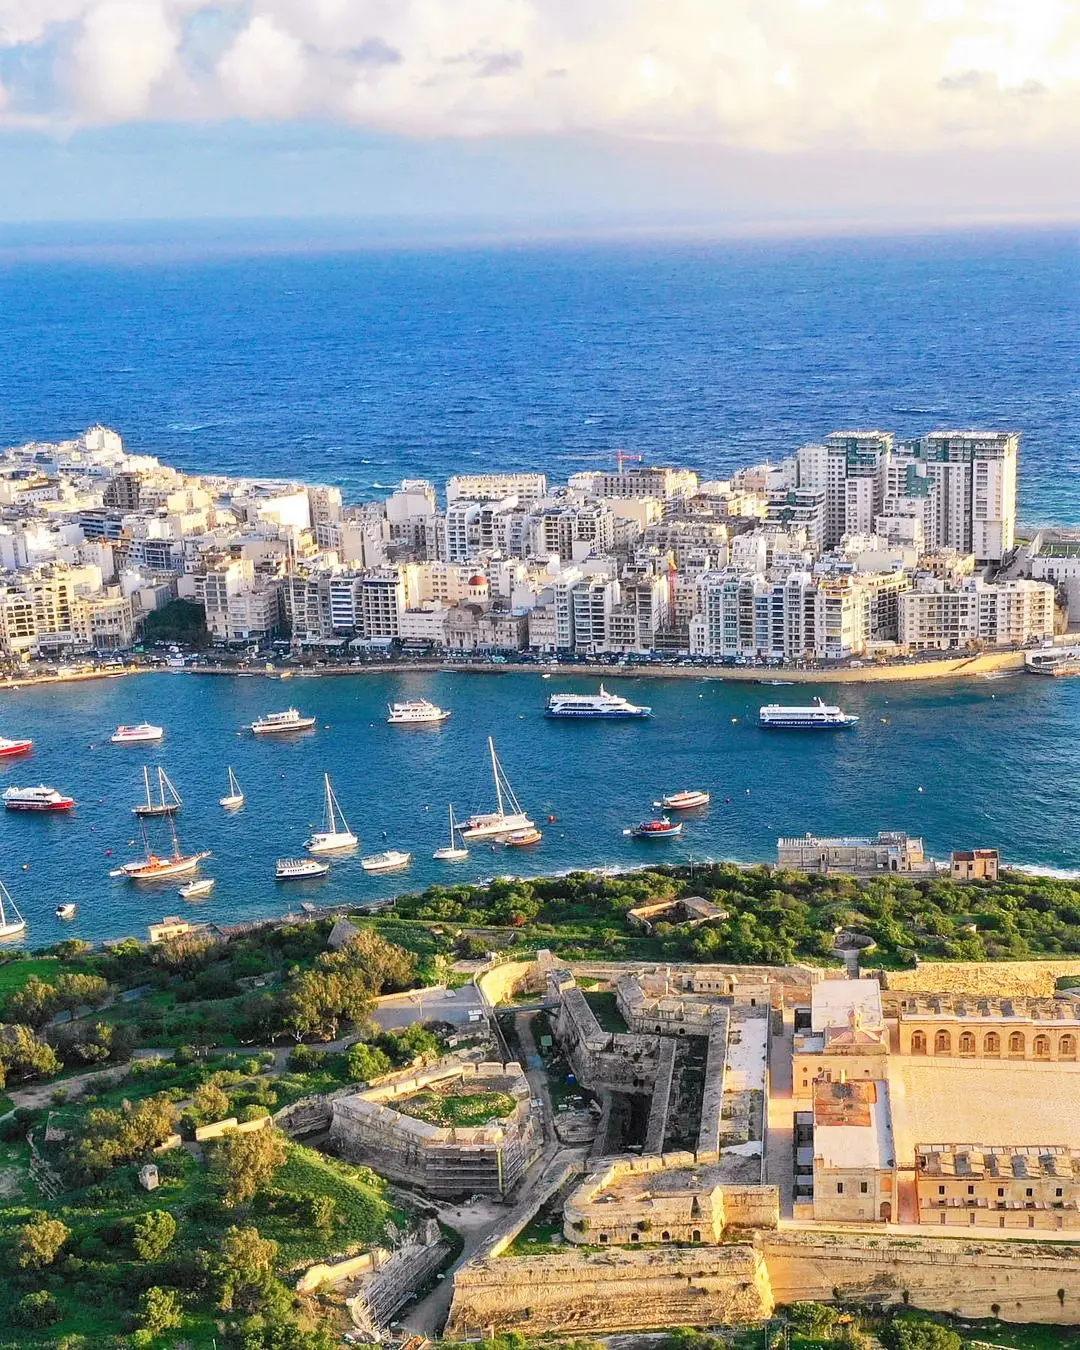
<point x="1042" y="1046"/>
<point x="991" y="1043"/>
<point x="1016" y="1045"/>
<point x="943" y="1043"/>
<point x="918" y="1042"/>
<point x="1067" y="1046"/>
<point x="967" y="1043"/>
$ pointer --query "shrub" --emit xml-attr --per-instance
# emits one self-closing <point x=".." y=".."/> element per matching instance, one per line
<point x="38" y="1243"/>
<point x="153" y="1235"/>
<point x="36" y="1310"/>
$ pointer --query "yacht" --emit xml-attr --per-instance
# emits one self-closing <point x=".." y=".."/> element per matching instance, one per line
<point x="416" y="712"/>
<point x="454" y="851"/>
<point x="392" y="860"/>
<point x="299" y="869"/>
<point x="336" y="836"/>
<point x="142" y="733"/>
<point x="682" y="801"/>
<point x="39" y="798"/>
<point x="497" y="824"/>
<point x="277" y="724"/>
<point x="168" y="802"/>
<point x="65" y="911"/>
<point x="656" y="829"/>
<point x="523" y="838"/>
<point x="14" y="747"/>
<point x="12" y="923"/>
<point x="234" y="797"/>
<point x="602" y="704"/>
<point x="154" y="867"/>
<point x="197" y="890"/>
<point x="819" y="716"/>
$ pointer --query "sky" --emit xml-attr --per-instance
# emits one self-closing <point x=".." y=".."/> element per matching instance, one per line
<point x="542" y="113"/>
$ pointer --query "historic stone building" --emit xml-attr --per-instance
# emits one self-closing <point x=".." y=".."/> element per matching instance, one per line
<point x="983" y="1186"/>
<point x="949" y="1026"/>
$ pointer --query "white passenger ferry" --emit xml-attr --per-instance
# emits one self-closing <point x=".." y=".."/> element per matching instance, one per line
<point x="819" y="716"/>
<point x="602" y="704"/>
<point x="143" y="733"/>
<point x="416" y="712"/>
<point x="277" y="724"/>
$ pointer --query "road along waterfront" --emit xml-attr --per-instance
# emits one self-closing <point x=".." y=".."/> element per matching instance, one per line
<point x="965" y="763"/>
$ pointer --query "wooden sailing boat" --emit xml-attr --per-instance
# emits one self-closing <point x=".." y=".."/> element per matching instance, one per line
<point x="166" y="805"/>
<point x="455" y="852"/>
<point x="234" y="797"/>
<point x="336" y="836"/>
<point x="153" y="867"/>
<point x="497" y="824"/>
<point x="12" y="923"/>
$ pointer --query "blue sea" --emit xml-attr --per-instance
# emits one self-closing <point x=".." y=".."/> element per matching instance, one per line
<point x="364" y="367"/>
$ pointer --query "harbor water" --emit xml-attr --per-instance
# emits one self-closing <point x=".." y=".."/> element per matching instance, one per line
<point x="973" y="763"/>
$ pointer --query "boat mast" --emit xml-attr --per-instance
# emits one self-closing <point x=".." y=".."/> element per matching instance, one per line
<point x="165" y="782"/>
<point x="146" y="782"/>
<point x="453" y="841"/>
<point x="495" y="775"/>
<point x="330" y="829"/>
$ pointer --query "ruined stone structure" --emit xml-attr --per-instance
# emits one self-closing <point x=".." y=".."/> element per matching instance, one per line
<point x="689" y="912"/>
<point x="374" y="1127"/>
<point x="603" y="1058"/>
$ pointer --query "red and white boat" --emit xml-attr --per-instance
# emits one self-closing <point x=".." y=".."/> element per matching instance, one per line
<point x="656" y="829"/>
<point x="40" y="798"/>
<point x="8" y="747"/>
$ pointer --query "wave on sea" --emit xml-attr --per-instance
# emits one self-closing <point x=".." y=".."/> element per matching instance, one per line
<point x="1057" y="873"/>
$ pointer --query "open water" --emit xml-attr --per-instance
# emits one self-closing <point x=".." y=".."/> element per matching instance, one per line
<point x="361" y="368"/>
<point x="969" y="763"/>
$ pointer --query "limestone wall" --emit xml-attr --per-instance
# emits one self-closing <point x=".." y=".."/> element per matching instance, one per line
<point x="613" y="1291"/>
<point x="751" y="1206"/>
<point x="205" y="1133"/>
<point x="658" y="1111"/>
<point x="990" y="979"/>
<point x="1016" y="1281"/>
<point x="501" y="981"/>
<point x="712" y="1096"/>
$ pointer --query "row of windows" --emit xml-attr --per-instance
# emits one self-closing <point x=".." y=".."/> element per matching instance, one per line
<point x="1029" y="1191"/>
<point x="1041" y="1045"/>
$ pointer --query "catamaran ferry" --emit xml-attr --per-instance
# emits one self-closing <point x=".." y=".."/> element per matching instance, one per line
<point x="602" y="704"/>
<point x="39" y="798"/>
<point x="416" y="712"/>
<point x="819" y="716"/>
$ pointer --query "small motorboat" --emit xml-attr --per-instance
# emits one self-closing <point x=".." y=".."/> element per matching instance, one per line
<point x="656" y="829"/>
<point x="682" y="801"/>
<point x="523" y="838"/>
<point x="14" y="747"/>
<point x="66" y="911"/>
<point x="391" y="860"/>
<point x="300" y="869"/>
<point x="196" y="890"/>
<point x="280" y="723"/>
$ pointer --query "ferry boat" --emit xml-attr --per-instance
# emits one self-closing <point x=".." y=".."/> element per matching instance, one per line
<point x="1056" y="661"/>
<point x="391" y="860"/>
<point x="196" y="890"/>
<point x="12" y="923"/>
<point x="416" y="712"/>
<point x="453" y="852"/>
<point x="142" y="733"/>
<point x="40" y="798"/>
<point x="65" y="911"/>
<point x="656" y="829"/>
<point x="153" y="867"/>
<point x="819" y="716"/>
<point x="14" y="747"/>
<point x="300" y="869"/>
<point x="166" y="805"/>
<point x="277" y="724"/>
<point x="336" y="836"/>
<point x="235" y="796"/>
<point x="497" y="824"/>
<point x="602" y="704"/>
<point x="682" y="801"/>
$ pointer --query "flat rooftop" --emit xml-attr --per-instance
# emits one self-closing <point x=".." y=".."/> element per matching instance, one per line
<point x="833" y="1001"/>
<point x="852" y="1126"/>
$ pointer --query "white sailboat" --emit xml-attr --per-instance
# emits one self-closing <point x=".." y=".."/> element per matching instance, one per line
<point x="168" y="802"/>
<point x="501" y="822"/>
<point x="455" y="852"/>
<point x="12" y="923"/>
<point x="234" y="797"/>
<point x="336" y="836"/>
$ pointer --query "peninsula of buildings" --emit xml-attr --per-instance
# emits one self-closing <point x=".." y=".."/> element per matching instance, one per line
<point x="861" y="548"/>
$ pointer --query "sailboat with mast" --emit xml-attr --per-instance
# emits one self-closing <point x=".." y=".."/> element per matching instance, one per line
<point x="337" y="836"/>
<point x="454" y="852"/>
<point x="12" y="923"/>
<point x="168" y="802"/>
<point x="508" y="818"/>
<point x="154" y="867"/>
<point x="235" y="796"/>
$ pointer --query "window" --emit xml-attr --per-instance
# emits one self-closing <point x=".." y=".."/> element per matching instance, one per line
<point x="941" y="1190"/>
<point x="942" y="1043"/>
<point x="1001" y="1221"/>
<point x="1016" y="1044"/>
<point x="971" y="1190"/>
<point x="1031" y="1220"/>
<point x="1029" y="1192"/>
<point x="918" y="1043"/>
<point x="1042" y="1047"/>
<point x="665" y="1236"/>
<point x="603" y="1238"/>
<point x="967" y="1043"/>
<point x="1001" y="1192"/>
<point x="1067" y="1047"/>
<point x="991" y="1043"/>
<point x="839" y="1188"/>
<point x="635" y="1237"/>
<point x="863" y="1187"/>
<point x="695" y="1236"/>
<point x="1059" y="1192"/>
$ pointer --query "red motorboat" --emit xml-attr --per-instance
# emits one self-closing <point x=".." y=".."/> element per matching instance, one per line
<point x="8" y="747"/>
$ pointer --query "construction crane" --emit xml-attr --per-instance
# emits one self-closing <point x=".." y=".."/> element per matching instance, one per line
<point x="621" y="457"/>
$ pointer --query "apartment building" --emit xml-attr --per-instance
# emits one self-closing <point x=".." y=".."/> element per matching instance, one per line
<point x="477" y="487"/>
<point x="935" y="615"/>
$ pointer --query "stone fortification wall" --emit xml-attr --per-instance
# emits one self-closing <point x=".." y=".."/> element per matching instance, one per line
<point x="310" y="1115"/>
<point x="502" y="981"/>
<point x="661" y="1101"/>
<point x="751" y="1206"/>
<point x="712" y="1096"/>
<point x="603" y="1059"/>
<point x="1017" y="1281"/>
<point x="983" y="979"/>
<point x="704" y="979"/>
<point x="616" y="1290"/>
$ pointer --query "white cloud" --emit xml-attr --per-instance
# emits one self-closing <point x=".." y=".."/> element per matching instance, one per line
<point x="764" y="74"/>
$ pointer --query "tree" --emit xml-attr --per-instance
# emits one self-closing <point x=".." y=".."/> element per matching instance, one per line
<point x="23" y="1055"/>
<point x="244" y="1162"/>
<point x="364" y="1062"/>
<point x="36" y="1310"/>
<point x="39" y="1241"/>
<point x="915" y="1334"/>
<point x="813" y="1319"/>
<point x="246" y="1267"/>
<point x="160" y="1310"/>
<point x="153" y="1235"/>
<point x="210" y="1102"/>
